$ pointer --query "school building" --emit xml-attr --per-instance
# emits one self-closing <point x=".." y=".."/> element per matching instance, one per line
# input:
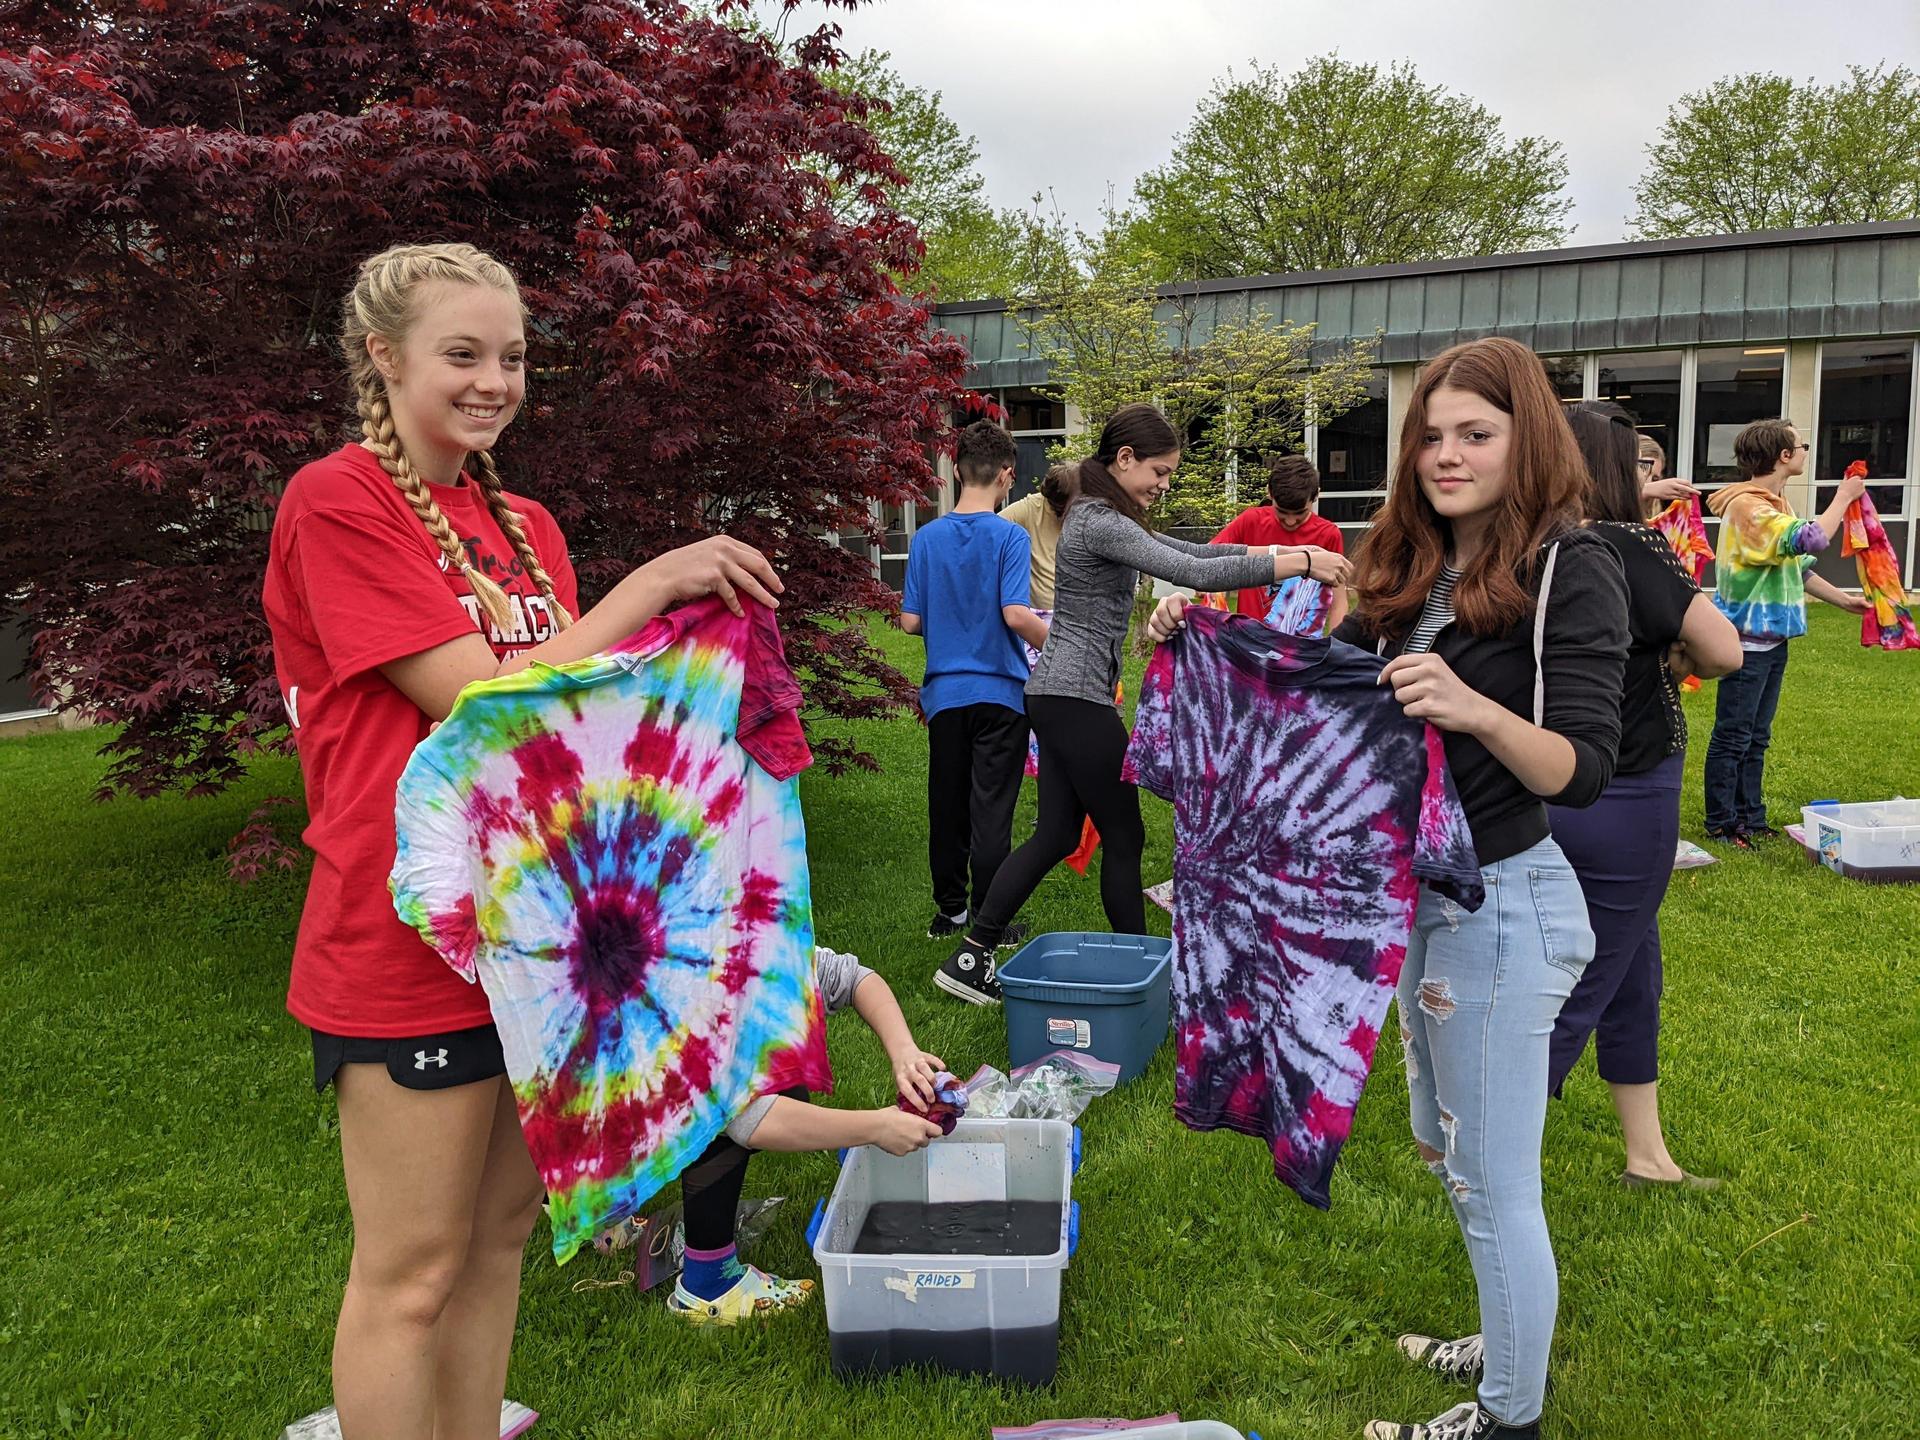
<point x="1695" y="338"/>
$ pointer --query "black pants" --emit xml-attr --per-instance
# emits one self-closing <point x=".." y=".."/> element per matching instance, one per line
<point x="977" y="755"/>
<point x="1082" y="744"/>
<point x="710" y="1189"/>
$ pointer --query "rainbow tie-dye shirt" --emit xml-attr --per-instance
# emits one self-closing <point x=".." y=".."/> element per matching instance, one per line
<point x="1764" y="548"/>
<point x="614" y="849"/>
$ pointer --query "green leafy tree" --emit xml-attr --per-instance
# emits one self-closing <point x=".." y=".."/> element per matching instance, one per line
<point x="1341" y="164"/>
<point x="1763" y="152"/>
<point x="1240" y="386"/>
<point x="973" y="251"/>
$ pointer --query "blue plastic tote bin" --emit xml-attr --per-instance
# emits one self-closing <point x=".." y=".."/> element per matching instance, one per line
<point x="1108" y="995"/>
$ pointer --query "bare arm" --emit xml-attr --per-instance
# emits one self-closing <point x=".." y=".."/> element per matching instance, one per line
<point x="792" y="1124"/>
<point x="1339" y="611"/>
<point x="909" y="622"/>
<point x="433" y="679"/>
<point x="1835" y="596"/>
<point x="1027" y="625"/>
<point x="913" y="1068"/>
<point x="1708" y="641"/>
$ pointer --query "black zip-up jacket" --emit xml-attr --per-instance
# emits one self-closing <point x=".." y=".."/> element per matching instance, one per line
<point x="1583" y="647"/>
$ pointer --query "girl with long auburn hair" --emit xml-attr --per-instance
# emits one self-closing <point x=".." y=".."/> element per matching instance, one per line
<point x="1503" y="623"/>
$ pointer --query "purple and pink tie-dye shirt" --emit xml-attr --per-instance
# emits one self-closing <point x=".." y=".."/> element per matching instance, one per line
<point x="1308" y="811"/>
<point x="615" y="849"/>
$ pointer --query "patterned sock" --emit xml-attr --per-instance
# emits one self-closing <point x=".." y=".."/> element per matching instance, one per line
<point x="709" y="1274"/>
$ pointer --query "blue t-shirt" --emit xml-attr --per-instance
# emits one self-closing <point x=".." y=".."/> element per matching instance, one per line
<point x="960" y="571"/>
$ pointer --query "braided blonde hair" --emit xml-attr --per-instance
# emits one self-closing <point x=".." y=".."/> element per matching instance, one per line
<point x="383" y="302"/>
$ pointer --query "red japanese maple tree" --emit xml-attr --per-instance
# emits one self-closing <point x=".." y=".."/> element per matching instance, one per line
<point x="187" y="187"/>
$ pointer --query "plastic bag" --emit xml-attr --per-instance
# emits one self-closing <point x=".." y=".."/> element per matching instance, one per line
<point x="1059" y="1086"/>
<point x="660" y="1239"/>
<point x="1689" y="856"/>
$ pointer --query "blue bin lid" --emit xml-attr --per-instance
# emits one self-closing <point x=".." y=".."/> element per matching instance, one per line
<point x="1137" y="962"/>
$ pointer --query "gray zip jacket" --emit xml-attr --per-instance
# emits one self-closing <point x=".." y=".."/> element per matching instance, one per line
<point x="1096" y="572"/>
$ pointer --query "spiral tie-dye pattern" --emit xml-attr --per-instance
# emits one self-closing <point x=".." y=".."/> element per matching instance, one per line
<point x="614" y="849"/>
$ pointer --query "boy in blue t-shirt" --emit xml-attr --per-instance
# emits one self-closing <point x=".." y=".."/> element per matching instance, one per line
<point x="967" y="596"/>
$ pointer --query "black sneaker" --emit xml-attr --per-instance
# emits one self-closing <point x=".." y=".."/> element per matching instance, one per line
<point x="1458" y="1360"/>
<point x="1014" y="938"/>
<point x="968" y="975"/>
<point x="1739" y="839"/>
<point x="1465" y="1421"/>
<point x="942" y="925"/>
<point x="1762" y="832"/>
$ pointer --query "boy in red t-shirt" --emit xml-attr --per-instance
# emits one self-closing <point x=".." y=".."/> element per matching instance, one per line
<point x="1293" y="484"/>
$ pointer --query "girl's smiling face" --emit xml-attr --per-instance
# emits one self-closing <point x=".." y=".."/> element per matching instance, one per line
<point x="459" y="375"/>
<point x="1145" y="479"/>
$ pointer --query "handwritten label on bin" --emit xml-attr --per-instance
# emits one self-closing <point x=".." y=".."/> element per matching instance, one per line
<point x="914" y="1283"/>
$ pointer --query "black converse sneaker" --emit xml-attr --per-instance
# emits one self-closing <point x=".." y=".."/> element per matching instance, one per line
<point x="1465" y="1421"/>
<point x="968" y="974"/>
<point x="942" y="925"/>
<point x="1014" y="937"/>
<point x="1459" y="1360"/>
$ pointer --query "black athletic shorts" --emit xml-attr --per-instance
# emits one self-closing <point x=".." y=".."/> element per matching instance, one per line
<point x="420" y="1062"/>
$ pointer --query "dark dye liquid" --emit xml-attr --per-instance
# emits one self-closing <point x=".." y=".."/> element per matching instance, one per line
<point x="975" y="1227"/>
<point x="1031" y="1354"/>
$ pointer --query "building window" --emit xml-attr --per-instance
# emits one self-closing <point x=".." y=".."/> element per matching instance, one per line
<point x="1646" y="384"/>
<point x="1352" y="454"/>
<point x="1568" y="374"/>
<point x="1866" y="407"/>
<point x="1734" y="389"/>
<point x="1036" y="421"/>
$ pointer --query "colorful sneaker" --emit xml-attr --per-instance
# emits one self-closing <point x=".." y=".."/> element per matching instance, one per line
<point x="1459" y="1360"/>
<point x="968" y="975"/>
<point x="1739" y="839"/>
<point x="1465" y="1421"/>
<point x="942" y="925"/>
<point x="753" y="1295"/>
<point x="1762" y="832"/>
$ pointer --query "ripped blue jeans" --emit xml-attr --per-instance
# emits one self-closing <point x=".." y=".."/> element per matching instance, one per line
<point x="1478" y="997"/>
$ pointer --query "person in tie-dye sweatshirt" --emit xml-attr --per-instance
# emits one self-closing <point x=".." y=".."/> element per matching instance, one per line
<point x="1762" y="578"/>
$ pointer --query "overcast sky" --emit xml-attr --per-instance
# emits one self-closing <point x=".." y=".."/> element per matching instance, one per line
<point x="1078" y="97"/>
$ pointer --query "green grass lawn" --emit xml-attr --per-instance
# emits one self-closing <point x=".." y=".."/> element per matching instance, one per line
<point x="176" y="1233"/>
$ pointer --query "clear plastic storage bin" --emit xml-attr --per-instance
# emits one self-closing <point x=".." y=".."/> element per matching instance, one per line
<point x="976" y="1314"/>
<point x="1878" y="841"/>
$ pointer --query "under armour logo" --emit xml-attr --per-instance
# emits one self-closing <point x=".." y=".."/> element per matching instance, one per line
<point x="421" y="1059"/>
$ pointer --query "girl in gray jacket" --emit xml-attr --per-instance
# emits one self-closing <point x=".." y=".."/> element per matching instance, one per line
<point x="1105" y="546"/>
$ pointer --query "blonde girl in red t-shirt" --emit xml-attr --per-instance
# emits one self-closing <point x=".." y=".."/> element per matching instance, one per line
<point x="400" y="571"/>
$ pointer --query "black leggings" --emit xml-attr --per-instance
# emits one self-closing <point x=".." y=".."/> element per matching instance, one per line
<point x="710" y="1189"/>
<point x="1082" y="744"/>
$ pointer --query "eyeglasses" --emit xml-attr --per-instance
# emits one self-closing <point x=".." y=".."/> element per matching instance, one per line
<point x="1644" y="464"/>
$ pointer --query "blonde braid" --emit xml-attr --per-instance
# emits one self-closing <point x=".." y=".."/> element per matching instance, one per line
<point x="382" y="302"/>
<point x="513" y="526"/>
<point x="376" y="423"/>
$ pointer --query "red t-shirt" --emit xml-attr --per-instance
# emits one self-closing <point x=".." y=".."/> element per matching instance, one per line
<point x="1261" y="526"/>
<point x="353" y="582"/>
